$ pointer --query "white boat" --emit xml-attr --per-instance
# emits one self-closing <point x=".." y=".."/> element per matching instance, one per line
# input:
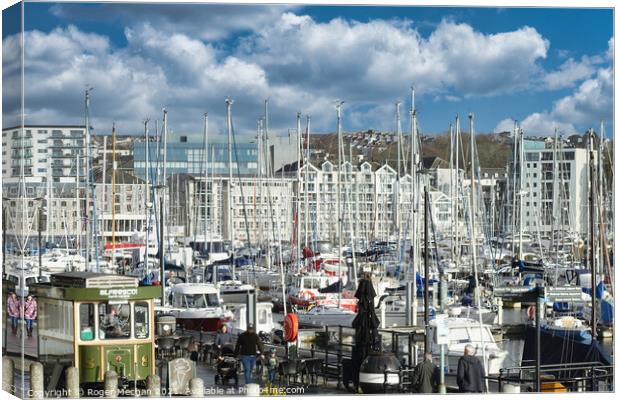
<point x="231" y="289"/>
<point x="489" y="316"/>
<point x="326" y="315"/>
<point x="464" y="331"/>
<point x="264" y="318"/>
<point x="197" y="306"/>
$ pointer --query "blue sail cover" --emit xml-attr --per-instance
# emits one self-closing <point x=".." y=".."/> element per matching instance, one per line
<point x="574" y="351"/>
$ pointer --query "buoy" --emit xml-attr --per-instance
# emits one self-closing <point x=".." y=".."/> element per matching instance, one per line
<point x="372" y="377"/>
<point x="291" y="325"/>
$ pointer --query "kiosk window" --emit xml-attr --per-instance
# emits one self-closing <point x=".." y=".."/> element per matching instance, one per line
<point x="141" y="317"/>
<point x="114" y="321"/>
<point x="87" y="321"/>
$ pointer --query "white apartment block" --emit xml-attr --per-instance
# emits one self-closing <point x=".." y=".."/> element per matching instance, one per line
<point x="566" y="197"/>
<point x="47" y="156"/>
<point x="260" y="212"/>
<point x="367" y="202"/>
<point x="121" y="208"/>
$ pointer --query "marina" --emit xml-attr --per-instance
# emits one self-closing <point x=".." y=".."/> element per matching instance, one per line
<point x="192" y="256"/>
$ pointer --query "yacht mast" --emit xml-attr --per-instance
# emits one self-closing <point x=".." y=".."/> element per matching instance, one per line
<point x="260" y="202"/>
<point x="397" y="186"/>
<point x="521" y="193"/>
<point x="472" y="213"/>
<point x="339" y="218"/>
<point x="147" y="204"/>
<point x="206" y="150"/>
<point x="307" y="178"/>
<point x="298" y="208"/>
<point x="457" y="187"/>
<point x="162" y="211"/>
<point x="452" y="192"/>
<point x="229" y="103"/>
<point x="415" y="158"/>
<point x="87" y="173"/>
<point x="113" y="192"/>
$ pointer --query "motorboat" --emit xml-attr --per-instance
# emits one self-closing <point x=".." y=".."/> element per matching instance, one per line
<point x="319" y="289"/>
<point x="264" y="318"/>
<point x="466" y="331"/>
<point x="231" y="289"/>
<point x="197" y="306"/>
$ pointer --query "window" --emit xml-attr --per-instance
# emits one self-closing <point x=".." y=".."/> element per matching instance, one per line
<point x="114" y="321"/>
<point x="141" y="315"/>
<point x="87" y="321"/>
<point x="262" y="317"/>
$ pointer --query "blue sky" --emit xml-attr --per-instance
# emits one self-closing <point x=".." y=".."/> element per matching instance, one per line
<point x="545" y="67"/>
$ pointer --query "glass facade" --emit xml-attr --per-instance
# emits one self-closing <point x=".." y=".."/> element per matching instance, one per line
<point x="186" y="157"/>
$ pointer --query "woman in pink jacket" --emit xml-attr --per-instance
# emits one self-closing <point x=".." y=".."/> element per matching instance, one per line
<point x="13" y="308"/>
<point x="30" y="313"/>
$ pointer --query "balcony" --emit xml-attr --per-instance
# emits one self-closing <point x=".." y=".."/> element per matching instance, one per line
<point x="21" y="144"/>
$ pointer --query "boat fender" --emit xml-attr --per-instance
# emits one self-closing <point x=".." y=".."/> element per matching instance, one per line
<point x="306" y="295"/>
<point x="531" y="313"/>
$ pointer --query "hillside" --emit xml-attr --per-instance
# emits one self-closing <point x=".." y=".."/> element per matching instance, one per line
<point x="379" y="148"/>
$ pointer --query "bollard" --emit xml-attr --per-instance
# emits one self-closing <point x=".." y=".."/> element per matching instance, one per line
<point x="252" y="389"/>
<point x="36" y="380"/>
<point x="153" y="386"/>
<point x="72" y="382"/>
<point x="110" y="384"/>
<point x="8" y="375"/>
<point x="196" y="387"/>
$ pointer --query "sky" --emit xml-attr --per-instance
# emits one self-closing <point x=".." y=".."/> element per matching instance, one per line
<point x="547" y="68"/>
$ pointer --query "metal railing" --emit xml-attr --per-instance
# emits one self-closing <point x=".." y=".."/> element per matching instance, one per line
<point x="587" y="376"/>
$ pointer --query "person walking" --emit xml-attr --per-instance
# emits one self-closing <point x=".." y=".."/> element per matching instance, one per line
<point x="30" y="313"/>
<point x="470" y="372"/>
<point x="13" y="309"/>
<point x="426" y="375"/>
<point x="223" y="337"/>
<point x="248" y="345"/>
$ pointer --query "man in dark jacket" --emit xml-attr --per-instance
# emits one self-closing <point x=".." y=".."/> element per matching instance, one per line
<point x="470" y="372"/>
<point x="426" y="375"/>
<point x="248" y="345"/>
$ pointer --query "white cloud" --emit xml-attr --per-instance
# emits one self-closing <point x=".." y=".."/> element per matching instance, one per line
<point x="591" y="102"/>
<point x="505" y="125"/>
<point x="300" y="64"/>
<point x="570" y="71"/>
<point x="154" y="70"/>
<point x="374" y="59"/>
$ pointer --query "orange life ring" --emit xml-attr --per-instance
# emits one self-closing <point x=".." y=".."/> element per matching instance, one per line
<point x="531" y="313"/>
<point x="291" y="325"/>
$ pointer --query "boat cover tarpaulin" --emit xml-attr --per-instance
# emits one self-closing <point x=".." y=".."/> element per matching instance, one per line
<point x="556" y="349"/>
<point x="335" y="287"/>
